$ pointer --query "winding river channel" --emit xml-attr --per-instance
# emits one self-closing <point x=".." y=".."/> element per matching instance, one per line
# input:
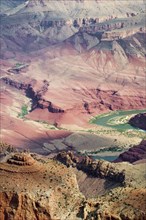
<point x="117" y="120"/>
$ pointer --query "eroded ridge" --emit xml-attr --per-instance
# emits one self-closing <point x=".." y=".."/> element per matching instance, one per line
<point x="21" y="159"/>
<point x="20" y="163"/>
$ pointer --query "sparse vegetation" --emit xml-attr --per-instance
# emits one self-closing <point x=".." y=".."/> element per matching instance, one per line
<point x="110" y="149"/>
<point x="24" y="111"/>
<point x="117" y="120"/>
<point x="17" y="65"/>
<point x="6" y="147"/>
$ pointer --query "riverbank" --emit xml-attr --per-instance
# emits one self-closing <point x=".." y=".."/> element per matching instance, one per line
<point x="116" y="125"/>
<point x="118" y="119"/>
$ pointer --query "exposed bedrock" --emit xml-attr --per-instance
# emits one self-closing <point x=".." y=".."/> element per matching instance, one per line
<point x="34" y="187"/>
<point x="94" y="100"/>
<point x="18" y="204"/>
<point x="31" y="189"/>
<point x="113" y="100"/>
<point x="107" y="210"/>
<point x="35" y="95"/>
<point x="96" y="168"/>
<point x="134" y="154"/>
<point x="139" y="121"/>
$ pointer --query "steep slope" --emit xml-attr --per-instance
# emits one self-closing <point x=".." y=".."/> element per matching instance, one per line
<point x="81" y="7"/>
<point x="139" y="121"/>
<point x="10" y="5"/>
<point x="134" y="154"/>
<point x="32" y="189"/>
<point x="48" y="190"/>
<point x="37" y="24"/>
<point x="119" y="204"/>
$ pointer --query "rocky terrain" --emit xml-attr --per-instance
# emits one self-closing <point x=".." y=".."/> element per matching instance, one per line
<point x="116" y="172"/>
<point x="32" y="189"/>
<point x="47" y="189"/>
<point x="63" y="63"/>
<point x="139" y="121"/>
<point x="134" y="154"/>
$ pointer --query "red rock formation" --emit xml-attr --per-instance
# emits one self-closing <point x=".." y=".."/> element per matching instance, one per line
<point x="133" y="154"/>
<point x="139" y="121"/>
<point x="36" y="96"/>
<point x="43" y="190"/>
<point x="96" y="168"/>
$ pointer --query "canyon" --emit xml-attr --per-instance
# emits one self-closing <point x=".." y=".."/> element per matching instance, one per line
<point x="64" y="64"/>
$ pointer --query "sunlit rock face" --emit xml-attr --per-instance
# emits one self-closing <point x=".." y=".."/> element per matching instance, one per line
<point x="40" y="188"/>
<point x="30" y="189"/>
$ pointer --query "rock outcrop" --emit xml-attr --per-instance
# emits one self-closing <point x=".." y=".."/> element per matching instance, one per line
<point x="133" y="154"/>
<point x="22" y="206"/>
<point x="36" y="96"/>
<point x="98" y="168"/>
<point x="21" y="160"/>
<point x="4" y="147"/>
<point x="32" y="189"/>
<point x="119" y="204"/>
<point x="138" y="121"/>
<point x="120" y="173"/>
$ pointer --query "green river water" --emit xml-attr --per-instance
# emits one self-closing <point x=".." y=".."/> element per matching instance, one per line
<point x="117" y="120"/>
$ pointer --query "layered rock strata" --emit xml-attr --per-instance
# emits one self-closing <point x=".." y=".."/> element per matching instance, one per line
<point x="134" y="154"/>
<point x="139" y="121"/>
<point x="98" y="168"/>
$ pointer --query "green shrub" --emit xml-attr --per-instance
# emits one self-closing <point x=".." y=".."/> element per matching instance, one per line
<point x="24" y="111"/>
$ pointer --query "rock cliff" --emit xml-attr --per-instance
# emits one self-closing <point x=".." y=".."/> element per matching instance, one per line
<point x="139" y="121"/>
<point x="134" y="154"/>
<point x="99" y="168"/>
<point x="36" y="96"/>
<point x="34" y="187"/>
